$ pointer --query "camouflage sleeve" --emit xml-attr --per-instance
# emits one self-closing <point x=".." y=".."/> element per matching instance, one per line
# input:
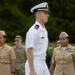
<point x="25" y="55"/>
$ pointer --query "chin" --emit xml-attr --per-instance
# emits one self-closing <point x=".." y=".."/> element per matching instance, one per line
<point x="63" y="45"/>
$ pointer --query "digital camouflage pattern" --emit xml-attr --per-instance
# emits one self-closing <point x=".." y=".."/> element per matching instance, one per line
<point x="20" y="60"/>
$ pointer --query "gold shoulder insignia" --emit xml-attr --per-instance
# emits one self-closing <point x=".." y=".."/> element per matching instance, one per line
<point x="36" y="26"/>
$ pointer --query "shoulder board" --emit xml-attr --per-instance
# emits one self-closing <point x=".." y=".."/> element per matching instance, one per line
<point x="36" y="27"/>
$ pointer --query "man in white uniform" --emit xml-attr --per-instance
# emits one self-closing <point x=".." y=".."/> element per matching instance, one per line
<point x="37" y="42"/>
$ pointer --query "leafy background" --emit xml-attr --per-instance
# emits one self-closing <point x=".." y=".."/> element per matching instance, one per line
<point x="15" y="17"/>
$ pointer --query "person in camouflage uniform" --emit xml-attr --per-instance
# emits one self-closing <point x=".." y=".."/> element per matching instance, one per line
<point x="20" y="56"/>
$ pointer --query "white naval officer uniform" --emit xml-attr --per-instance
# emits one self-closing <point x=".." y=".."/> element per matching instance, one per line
<point x="37" y="38"/>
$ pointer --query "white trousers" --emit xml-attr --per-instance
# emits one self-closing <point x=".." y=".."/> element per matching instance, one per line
<point x="39" y="66"/>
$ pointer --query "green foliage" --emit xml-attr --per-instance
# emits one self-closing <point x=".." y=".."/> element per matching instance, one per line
<point x="13" y="20"/>
<point x="15" y="17"/>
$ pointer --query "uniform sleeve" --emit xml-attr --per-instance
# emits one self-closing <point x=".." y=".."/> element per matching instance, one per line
<point x="31" y="38"/>
<point x="12" y="54"/>
<point x="53" y="57"/>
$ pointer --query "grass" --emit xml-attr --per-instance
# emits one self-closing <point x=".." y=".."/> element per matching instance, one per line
<point x="52" y="45"/>
<point x="12" y="43"/>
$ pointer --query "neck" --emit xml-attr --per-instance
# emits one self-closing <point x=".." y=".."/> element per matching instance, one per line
<point x="42" y="23"/>
<point x="2" y="44"/>
<point x="64" y="45"/>
<point x="18" y="44"/>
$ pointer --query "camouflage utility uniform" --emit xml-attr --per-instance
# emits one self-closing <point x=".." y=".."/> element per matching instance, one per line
<point x="20" y="60"/>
